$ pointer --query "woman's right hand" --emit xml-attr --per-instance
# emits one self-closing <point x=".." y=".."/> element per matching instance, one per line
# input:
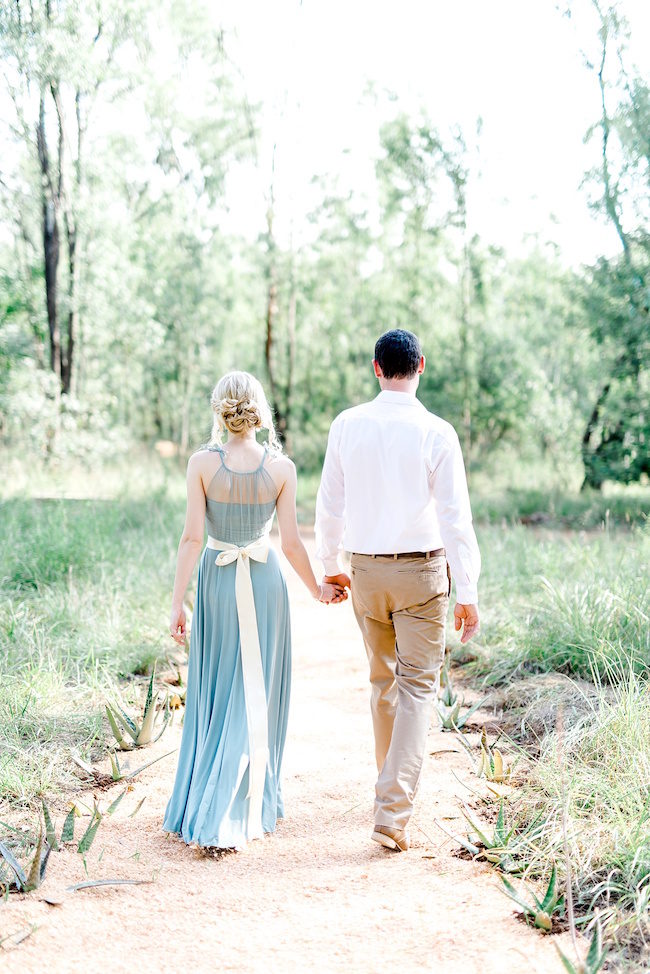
<point x="177" y="625"/>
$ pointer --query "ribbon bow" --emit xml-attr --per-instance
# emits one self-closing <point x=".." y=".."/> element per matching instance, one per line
<point x="253" y="674"/>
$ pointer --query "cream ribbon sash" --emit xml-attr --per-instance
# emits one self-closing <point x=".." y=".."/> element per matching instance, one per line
<point x="251" y="660"/>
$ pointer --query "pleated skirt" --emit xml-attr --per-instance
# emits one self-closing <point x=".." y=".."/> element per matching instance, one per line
<point x="208" y="805"/>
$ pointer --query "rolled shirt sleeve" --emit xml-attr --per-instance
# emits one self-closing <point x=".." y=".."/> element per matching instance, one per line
<point x="451" y="496"/>
<point x="330" y="504"/>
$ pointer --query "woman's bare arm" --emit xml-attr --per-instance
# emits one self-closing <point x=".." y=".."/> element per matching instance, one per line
<point x="291" y="542"/>
<point x="189" y="547"/>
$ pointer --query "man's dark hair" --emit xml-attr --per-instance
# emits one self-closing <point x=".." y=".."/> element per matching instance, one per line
<point x="398" y="354"/>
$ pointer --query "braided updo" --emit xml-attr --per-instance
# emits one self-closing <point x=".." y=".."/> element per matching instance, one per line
<point x="239" y="405"/>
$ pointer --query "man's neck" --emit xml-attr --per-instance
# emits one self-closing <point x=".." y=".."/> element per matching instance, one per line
<point x="400" y="385"/>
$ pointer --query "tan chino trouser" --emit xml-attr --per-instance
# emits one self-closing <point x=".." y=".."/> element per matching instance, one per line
<point x="401" y="607"/>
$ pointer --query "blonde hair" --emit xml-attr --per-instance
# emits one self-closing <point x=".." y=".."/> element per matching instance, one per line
<point x="239" y="405"/>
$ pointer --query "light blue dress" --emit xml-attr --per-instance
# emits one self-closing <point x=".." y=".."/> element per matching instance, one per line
<point x="209" y="803"/>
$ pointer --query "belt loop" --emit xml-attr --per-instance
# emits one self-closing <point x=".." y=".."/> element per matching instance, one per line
<point x="395" y="557"/>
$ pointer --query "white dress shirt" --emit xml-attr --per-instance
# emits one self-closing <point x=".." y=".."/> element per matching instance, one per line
<point x="394" y="480"/>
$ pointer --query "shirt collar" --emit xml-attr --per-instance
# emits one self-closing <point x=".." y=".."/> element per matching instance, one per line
<point x="403" y="398"/>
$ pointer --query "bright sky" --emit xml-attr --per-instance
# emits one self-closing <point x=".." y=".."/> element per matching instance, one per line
<point x="518" y="64"/>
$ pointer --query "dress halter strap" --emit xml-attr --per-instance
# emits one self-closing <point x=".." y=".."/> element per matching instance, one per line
<point x="222" y="453"/>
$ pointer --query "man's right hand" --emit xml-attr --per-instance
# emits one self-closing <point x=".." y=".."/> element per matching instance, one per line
<point x="466" y="618"/>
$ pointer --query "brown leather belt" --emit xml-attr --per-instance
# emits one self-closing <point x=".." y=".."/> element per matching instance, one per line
<point x="407" y="554"/>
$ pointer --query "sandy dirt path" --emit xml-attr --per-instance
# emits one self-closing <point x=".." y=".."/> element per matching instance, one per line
<point x="317" y="895"/>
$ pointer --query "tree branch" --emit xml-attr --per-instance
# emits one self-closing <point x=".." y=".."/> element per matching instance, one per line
<point x="610" y="199"/>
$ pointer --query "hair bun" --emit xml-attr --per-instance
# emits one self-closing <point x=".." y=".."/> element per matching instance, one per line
<point x="238" y="415"/>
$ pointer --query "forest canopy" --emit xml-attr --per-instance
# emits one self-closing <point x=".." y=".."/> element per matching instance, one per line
<point x="124" y="293"/>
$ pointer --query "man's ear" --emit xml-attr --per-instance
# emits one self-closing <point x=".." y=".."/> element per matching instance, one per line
<point x="423" y="362"/>
<point x="375" y="364"/>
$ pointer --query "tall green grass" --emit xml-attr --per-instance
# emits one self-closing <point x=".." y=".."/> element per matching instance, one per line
<point x="599" y="768"/>
<point x="84" y="597"/>
<point x="578" y="604"/>
<point x="591" y="510"/>
<point x="575" y="604"/>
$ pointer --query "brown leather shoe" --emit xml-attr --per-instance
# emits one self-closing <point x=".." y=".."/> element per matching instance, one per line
<point x="395" y="839"/>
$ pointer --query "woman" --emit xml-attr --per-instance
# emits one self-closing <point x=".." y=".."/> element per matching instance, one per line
<point x="227" y="787"/>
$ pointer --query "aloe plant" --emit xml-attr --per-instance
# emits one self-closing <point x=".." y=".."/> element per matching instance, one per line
<point x="491" y="763"/>
<point x="596" y="955"/>
<point x="449" y="705"/>
<point x="451" y="717"/>
<point x="26" y="882"/>
<point x="117" y="774"/>
<point x="130" y="733"/>
<point x="541" y="912"/>
<point x="499" y="848"/>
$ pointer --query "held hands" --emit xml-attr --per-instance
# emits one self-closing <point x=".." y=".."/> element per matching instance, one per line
<point x="334" y="588"/>
<point x="331" y="593"/>
<point x="466" y="617"/>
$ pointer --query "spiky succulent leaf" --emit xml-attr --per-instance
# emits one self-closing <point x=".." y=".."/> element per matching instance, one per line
<point x="595" y="955"/>
<point x="111" y="808"/>
<point x="14" y="865"/>
<point x="497" y="765"/>
<point x="88" y="837"/>
<point x="50" y="832"/>
<point x="149" y="696"/>
<point x="568" y="965"/>
<point x="132" y="774"/>
<point x="116" y="771"/>
<point x="146" y="731"/>
<point x="117" y="730"/>
<point x="476" y="828"/>
<point x="130" y="725"/>
<point x="468" y="846"/>
<point x="67" y="833"/>
<point x="468" y="713"/>
<point x="34" y="876"/>
<point x="168" y="715"/>
<point x="550" y="899"/>
<point x="92" y="883"/>
<point x="500" y="828"/>
<point x="138" y="807"/>
<point x="514" y="895"/>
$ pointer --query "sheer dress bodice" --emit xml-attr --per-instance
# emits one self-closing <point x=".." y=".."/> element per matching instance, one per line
<point x="240" y="505"/>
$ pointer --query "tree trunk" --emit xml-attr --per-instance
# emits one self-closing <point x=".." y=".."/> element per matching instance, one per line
<point x="271" y="317"/>
<point x="73" y="275"/>
<point x="465" y="303"/>
<point x="291" y="357"/>
<point x="591" y="478"/>
<point x="51" y="245"/>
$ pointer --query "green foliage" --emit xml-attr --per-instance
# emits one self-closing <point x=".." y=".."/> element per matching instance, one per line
<point x="139" y="732"/>
<point x="77" y="612"/>
<point x="541" y="912"/>
<point x="558" y="604"/>
<point x="449" y="706"/>
<point x="596" y="955"/>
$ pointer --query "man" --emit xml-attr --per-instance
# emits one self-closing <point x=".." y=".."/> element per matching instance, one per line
<point x="393" y="492"/>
